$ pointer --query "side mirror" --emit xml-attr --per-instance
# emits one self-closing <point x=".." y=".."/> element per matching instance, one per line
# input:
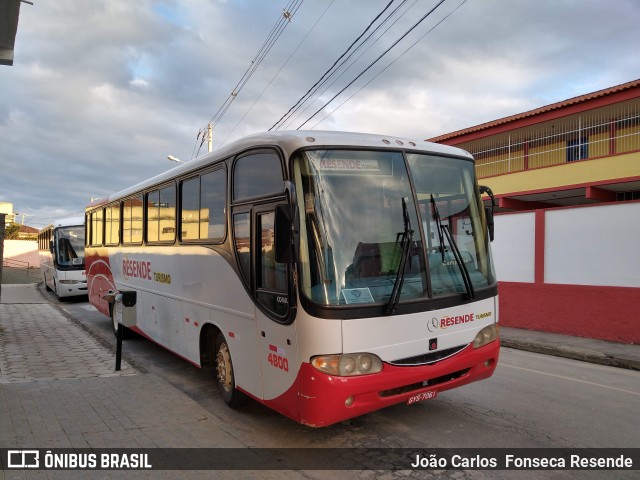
<point x="51" y="246"/>
<point x="488" y="211"/>
<point x="286" y="238"/>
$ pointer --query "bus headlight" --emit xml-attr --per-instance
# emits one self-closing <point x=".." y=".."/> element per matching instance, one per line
<point x="347" y="365"/>
<point x="486" y="335"/>
<point x="68" y="282"/>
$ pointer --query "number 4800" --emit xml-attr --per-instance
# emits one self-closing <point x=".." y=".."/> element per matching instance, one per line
<point x="278" y="362"/>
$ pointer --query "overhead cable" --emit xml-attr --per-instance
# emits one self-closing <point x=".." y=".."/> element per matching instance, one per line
<point x="394" y="61"/>
<point x="422" y="19"/>
<point x="283" y="20"/>
<point x="325" y="85"/>
<point x="270" y="82"/>
<point x="334" y="64"/>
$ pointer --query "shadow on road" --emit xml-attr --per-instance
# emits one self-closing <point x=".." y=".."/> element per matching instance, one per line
<point x="16" y="275"/>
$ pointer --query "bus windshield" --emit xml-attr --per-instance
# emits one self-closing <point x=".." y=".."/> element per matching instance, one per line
<point x="356" y="207"/>
<point x="69" y="247"/>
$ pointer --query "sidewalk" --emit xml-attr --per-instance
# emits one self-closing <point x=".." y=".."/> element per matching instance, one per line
<point x="578" y="348"/>
<point x="58" y="387"/>
<point x="19" y="275"/>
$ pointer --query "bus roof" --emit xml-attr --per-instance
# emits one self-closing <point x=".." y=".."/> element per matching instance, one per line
<point x="65" y="222"/>
<point x="289" y="141"/>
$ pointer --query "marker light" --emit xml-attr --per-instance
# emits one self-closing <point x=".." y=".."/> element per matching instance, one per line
<point x="486" y="335"/>
<point x="348" y="365"/>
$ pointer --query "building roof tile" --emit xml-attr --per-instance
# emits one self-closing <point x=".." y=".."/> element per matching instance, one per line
<point x="539" y="111"/>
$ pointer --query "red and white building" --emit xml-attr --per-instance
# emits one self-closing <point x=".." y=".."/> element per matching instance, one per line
<point x="567" y="182"/>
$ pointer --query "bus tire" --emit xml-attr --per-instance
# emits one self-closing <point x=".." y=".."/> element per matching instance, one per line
<point x="46" y="286"/>
<point x="55" y="290"/>
<point x="225" y="373"/>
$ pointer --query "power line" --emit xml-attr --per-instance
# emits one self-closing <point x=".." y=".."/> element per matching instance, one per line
<point x="291" y="118"/>
<point x="394" y="61"/>
<point x="257" y="59"/>
<point x="255" y="64"/>
<point x="283" y="20"/>
<point x="281" y="68"/>
<point x="423" y="18"/>
<point x="334" y="64"/>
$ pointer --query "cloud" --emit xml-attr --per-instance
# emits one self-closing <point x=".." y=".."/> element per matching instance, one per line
<point x="102" y="91"/>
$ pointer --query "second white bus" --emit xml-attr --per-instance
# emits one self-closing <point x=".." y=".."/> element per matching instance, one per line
<point x="61" y="249"/>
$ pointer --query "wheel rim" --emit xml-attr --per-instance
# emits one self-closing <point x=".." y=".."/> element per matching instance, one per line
<point x="223" y="368"/>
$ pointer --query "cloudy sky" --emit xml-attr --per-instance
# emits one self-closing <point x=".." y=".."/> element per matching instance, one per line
<point x="101" y="91"/>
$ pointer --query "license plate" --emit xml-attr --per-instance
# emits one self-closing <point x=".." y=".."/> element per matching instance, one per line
<point x="429" y="395"/>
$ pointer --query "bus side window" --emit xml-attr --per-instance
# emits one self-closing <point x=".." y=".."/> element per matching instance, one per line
<point x="242" y="235"/>
<point x="132" y="220"/>
<point x="153" y="219"/>
<point x="203" y="207"/>
<point x="271" y="275"/>
<point x="190" y="209"/>
<point x="161" y="215"/>
<point x="112" y="223"/>
<point x="167" y="214"/>
<point x="213" y="199"/>
<point x="256" y="175"/>
<point x="96" y="227"/>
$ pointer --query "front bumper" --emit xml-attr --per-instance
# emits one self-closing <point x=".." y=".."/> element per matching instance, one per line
<point x="326" y="399"/>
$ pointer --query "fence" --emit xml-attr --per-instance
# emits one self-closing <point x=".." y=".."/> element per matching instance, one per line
<point x="572" y="270"/>
<point x="602" y="132"/>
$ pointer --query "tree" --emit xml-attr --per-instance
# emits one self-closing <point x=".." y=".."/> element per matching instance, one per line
<point x="11" y="231"/>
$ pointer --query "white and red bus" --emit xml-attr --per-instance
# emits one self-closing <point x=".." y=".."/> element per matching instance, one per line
<point x="323" y="274"/>
<point x="61" y="251"/>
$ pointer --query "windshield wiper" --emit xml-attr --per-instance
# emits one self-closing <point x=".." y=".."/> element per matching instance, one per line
<point x="407" y="236"/>
<point x="436" y="217"/>
<point x="445" y="231"/>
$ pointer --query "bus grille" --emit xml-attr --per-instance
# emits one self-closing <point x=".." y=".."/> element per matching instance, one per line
<point x="428" y="358"/>
<point x="427" y="383"/>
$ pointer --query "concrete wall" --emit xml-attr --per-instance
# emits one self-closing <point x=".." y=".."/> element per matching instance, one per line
<point x="573" y="270"/>
<point x="23" y="251"/>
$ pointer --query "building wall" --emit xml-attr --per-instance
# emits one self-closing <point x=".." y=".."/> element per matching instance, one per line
<point x="573" y="270"/>
<point x="568" y="174"/>
<point x="22" y="251"/>
<point x="6" y="207"/>
<point x="610" y="130"/>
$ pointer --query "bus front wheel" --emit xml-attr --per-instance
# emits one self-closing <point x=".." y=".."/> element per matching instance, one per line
<point x="55" y="290"/>
<point x="225" y="374"/>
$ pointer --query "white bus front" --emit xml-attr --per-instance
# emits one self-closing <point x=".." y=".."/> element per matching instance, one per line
<point x="395" y="278"/>
<point x="64" y="272"/>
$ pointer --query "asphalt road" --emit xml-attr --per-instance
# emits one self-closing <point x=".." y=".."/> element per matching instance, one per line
<point x="532" y="401"/>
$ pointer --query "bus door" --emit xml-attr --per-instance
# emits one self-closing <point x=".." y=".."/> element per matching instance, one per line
<point x="258" y="186"/>
<point x="267" y="281"/>
<point x="276" y="334"/>
<point x="277" y="351"/>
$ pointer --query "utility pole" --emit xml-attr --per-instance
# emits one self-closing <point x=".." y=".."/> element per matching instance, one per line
<point x="209" y="138"/>
<point x="24" y="215"/>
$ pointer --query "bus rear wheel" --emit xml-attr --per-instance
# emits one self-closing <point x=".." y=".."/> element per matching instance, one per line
<point x="225" y="374"/>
